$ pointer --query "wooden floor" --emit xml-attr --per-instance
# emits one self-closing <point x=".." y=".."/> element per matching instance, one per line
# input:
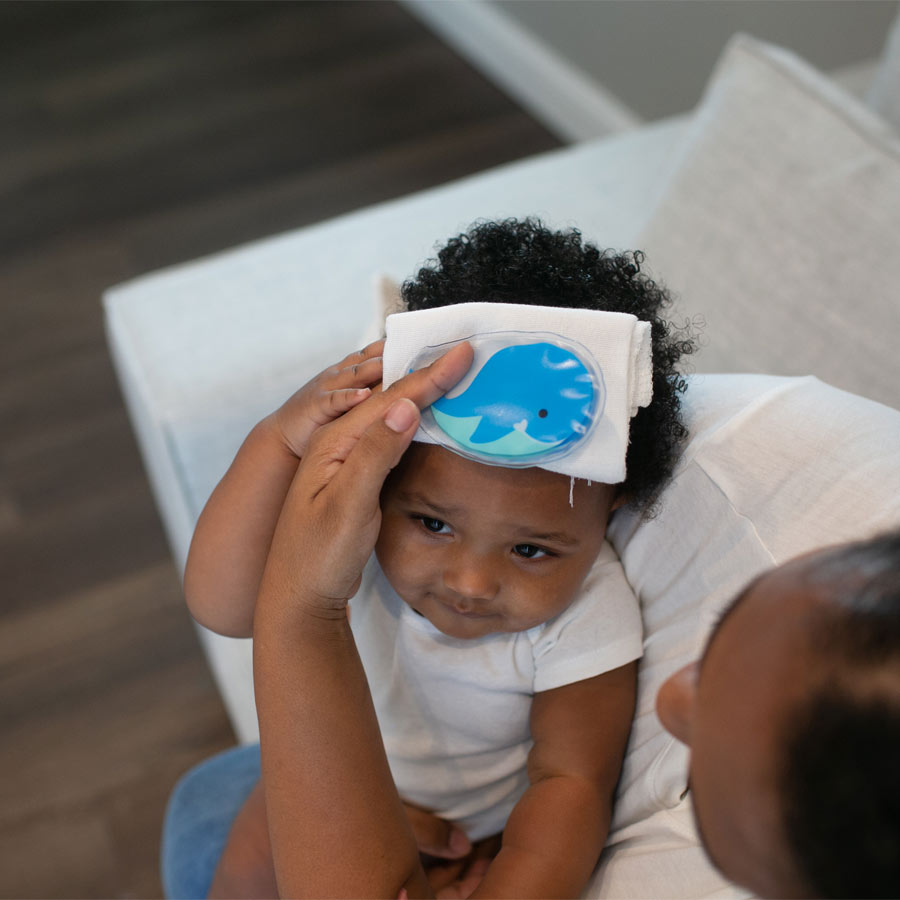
<point x="134" y="136"/>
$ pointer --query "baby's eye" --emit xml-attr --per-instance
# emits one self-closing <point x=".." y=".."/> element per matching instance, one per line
<point x="435" y="526"/>
<point x="529" y="551"/>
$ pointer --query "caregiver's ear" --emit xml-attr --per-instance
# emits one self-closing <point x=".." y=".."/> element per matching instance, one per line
<point x="675" y="702"/>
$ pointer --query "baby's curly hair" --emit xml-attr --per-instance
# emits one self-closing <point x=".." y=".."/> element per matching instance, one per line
<point x="522" y="261"/>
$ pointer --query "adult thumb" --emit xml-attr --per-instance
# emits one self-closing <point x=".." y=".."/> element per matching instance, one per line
<point x="378" y="450"/>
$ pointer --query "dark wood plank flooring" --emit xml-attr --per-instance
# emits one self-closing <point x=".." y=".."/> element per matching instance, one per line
<point x="132" y="136"/>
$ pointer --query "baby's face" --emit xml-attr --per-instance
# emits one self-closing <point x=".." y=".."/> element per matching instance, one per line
<point x="478" y="549"/>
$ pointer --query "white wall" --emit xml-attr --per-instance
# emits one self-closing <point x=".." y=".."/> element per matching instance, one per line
<point x="656" y="55"/>
<point x="586" y="68"/>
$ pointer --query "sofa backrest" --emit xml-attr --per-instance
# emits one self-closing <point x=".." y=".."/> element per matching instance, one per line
<point x="779" y="226"/>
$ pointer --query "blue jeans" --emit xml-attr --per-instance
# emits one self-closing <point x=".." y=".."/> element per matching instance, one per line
<point x="198" y="818"/>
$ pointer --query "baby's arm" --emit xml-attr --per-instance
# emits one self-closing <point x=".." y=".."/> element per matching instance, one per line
<point x="555" y="833"/>
<point x="233" y="535"/>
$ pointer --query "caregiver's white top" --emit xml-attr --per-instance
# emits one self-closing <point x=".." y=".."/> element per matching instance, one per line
<point x="454" y="714"/>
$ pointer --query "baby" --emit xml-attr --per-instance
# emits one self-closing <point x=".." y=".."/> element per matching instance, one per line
<point x="497" y="630"/>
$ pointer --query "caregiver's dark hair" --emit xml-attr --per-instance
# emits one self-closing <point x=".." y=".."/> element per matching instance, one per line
<point x="521" y="261"/>
<point x="840" y="775"/>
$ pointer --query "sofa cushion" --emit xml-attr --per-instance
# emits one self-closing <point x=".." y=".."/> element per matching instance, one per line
<point x="775" y="467"/>
<point x="779" y="226"/>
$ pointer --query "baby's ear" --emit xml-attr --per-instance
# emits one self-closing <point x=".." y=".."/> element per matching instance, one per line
<point x="388" y="298"/>
<point x="620" y="498"/>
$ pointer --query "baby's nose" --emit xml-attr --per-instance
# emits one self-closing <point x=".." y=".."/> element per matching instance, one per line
<point x="472" y="581"/>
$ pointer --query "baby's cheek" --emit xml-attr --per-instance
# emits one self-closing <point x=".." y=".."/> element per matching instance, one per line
<point x="542" y="607"/>
<point x="561" y="597"/>
<point x="386" y="558"/>
<point x="398" y="563"/>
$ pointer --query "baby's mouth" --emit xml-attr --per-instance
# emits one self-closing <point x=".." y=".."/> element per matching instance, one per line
<point x="465" y="613"/>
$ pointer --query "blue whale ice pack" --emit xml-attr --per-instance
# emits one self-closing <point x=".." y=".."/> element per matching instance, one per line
<point x="528" y="398"/>
<point x="549" y="386"/>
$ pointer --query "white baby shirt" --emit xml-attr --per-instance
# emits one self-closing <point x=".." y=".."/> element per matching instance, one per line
<point x="454" y="714"/>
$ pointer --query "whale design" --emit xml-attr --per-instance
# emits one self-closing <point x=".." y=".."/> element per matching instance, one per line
<point x="526" y="399"/>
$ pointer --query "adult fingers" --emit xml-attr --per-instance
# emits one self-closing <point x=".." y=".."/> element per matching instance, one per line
<point x="424" y="386"/>
<point x="359" y="480"/>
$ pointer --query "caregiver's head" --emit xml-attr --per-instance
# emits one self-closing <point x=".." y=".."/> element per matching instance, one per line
<point x="793" y="719"/>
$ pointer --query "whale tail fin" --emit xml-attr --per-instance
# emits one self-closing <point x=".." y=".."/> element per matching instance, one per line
<point x="488" y="431"/>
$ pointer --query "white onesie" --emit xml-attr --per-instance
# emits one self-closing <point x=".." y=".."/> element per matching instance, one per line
<point x="454" y="714"/>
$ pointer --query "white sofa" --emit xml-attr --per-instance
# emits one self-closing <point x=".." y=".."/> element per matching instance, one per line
<point x="773" y="211"/>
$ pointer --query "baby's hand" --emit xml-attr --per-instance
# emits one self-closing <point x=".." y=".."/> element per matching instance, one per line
<point x="453" y="865"/>
<point x="458" y="879"/>
<point x="436" y="836"/>
<point x="327" y="396"/>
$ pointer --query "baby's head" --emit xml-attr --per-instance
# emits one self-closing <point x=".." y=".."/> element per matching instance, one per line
<point x="521" y="261"/>
<point x="479" y="548"/>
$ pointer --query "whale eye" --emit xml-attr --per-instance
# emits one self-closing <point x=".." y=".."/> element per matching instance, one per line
<point x="542" y="413"/>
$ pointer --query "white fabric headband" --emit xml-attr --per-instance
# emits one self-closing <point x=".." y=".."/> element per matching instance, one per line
<point x="549" y="387"/>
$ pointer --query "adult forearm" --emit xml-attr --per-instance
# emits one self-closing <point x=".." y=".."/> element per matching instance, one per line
<point x="337" y="825"/>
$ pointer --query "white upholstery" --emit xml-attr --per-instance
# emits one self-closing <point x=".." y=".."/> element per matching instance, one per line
<point x="775" y="466"/>
<point x="780" y="225"/>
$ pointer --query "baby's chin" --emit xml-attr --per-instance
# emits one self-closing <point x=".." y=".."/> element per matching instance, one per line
<point x="461" y="626"/>
<point x="468" y="627"/>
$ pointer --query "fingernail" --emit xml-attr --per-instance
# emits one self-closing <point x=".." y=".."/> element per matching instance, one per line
<point x="401" y="415"/>
<point x="459" y="843"/>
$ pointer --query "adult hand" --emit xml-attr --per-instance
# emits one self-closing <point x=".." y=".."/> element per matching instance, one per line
<point x="331" y="517"/>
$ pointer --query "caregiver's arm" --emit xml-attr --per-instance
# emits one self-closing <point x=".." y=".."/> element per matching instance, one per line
<point x="336" y="823"/>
